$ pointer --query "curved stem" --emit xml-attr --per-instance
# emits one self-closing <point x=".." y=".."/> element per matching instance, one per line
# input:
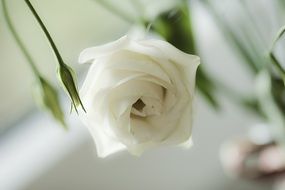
<point x="57" y="54"/>
<point x="273" y="58"/>
<point x="18" y="40"/>
<point x="275" y="61"/>
<point x="278" y="36"/>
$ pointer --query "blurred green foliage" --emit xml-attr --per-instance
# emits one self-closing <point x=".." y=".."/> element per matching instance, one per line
<point x="175" y="26"/>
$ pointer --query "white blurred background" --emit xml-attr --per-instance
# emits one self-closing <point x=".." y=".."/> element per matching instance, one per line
<point x="36" y="154"/>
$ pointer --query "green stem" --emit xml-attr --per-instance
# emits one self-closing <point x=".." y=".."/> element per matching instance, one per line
<point x="277" y="64"/>
<point x="116" y="11"/>
<point x="273" y="58"/>
<point x="57" y="54"/>
<point x="278" y="36"/>
<point x="18" y="40"/>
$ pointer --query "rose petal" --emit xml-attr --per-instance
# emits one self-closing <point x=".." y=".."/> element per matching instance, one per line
<point x="104" y="144"/>
<point x="90" y="54"/>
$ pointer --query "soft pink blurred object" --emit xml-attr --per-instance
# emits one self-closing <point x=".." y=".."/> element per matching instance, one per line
<point x="255" y="156"/>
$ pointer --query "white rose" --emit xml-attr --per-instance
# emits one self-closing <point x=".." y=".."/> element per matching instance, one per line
<point x="138" y="95"/>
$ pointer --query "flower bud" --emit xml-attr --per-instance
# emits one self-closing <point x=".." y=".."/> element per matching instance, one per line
<point x="67" y="77"/>
<point x="47" y="98"/>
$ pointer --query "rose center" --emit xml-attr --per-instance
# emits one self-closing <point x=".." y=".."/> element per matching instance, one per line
<point x="146" y="106"/>
<point x="139" y="105"/>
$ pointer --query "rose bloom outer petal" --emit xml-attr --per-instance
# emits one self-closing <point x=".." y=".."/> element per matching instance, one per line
<point x="104" y="144"/>
<point x="186" y="63"/>
<point x="92" y="53"/>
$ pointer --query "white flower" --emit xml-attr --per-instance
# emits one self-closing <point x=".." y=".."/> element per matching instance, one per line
<point x="138" y="95"/>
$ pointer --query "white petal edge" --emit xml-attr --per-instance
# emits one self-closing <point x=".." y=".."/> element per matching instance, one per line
<point x="172" y="52"/>
<point x="92" y="53"/>
<point x="105" y="146"/>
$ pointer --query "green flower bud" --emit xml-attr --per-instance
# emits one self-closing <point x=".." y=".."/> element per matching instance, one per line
<point x="67" y="77"/>
<point x="47" y="98"/>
